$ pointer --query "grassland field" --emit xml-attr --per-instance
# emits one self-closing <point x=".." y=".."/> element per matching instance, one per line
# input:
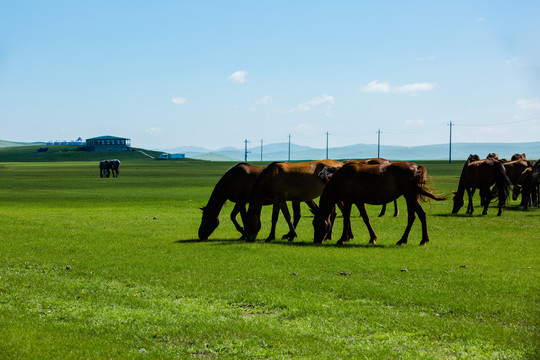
<point x="94" y="268"/>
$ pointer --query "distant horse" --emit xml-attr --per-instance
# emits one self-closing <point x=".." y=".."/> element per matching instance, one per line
<point x="518" y="157"/>
<point x="104" y="168"/>
<point x="235" y="185"/>
<point x="529" y="182"/>
<point x="361" y="184"/>
<point x="281" y="182"/>
<point x="481" y="174"/>
<point x="513" y="170"/>
<point x="378" y="161"/>
<point x="115" y="167"/>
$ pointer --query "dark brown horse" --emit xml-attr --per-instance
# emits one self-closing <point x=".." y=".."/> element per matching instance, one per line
<point x="378" y="161"/>
<point x="518" y="157"/>
<point x="482" y="174"/>
<point x="361" y="184"/>
<point x="281" y="182"/>
<point x="115" y="167"/>
<point x="529" y="184"/>
<point x="235" y="185"/>
<point x="104" y="168"/>
<point x="514" y="170"/>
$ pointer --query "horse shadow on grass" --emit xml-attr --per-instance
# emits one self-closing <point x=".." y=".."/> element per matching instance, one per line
<point x="224" y="242"/>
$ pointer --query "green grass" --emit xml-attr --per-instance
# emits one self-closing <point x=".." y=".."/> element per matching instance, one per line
<point x="112" y="268"/>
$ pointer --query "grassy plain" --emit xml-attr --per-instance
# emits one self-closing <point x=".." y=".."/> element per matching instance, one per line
<point x="112" y="268"/>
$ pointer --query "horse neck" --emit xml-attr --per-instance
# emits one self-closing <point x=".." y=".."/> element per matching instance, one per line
<point x="462" y="185"/>
<point x="216" y="201"/>
<point x="327" y="202"/>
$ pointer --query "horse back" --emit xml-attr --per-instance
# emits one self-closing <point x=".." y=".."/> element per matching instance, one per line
<point x="237" y="183"/>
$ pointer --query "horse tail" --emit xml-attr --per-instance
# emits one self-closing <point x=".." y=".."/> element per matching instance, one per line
<point x="422" y="191"/>
<point x="502" y="182"/>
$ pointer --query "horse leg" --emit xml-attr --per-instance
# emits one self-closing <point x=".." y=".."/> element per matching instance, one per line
<point x="346" y="211"/>
<point x="312" y="205"/>
<point x="411" y="207"/>
<point x="365" y="217"/>
<point x="485" y="195"/>
<point x="396" y="210"/>
<point x="296" y="219"/>
<point x="383" y="210"/>
<point x="238" y="207"/>
<point x="275" y="213"/>
<point x="422" y="216"/>
<point x="340" y="205"/>
<point x="285" y="210"/>
<point x="470" y="194"/>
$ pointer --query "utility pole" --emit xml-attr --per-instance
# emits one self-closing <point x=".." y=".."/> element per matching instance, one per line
<point x="379" y="143"/>
<point x="289" y="147"/>
<point x="450" y="147"/>
<point x="245" y="150"/>
<point x="327" y="144"/>
<point x="261" y="148"/>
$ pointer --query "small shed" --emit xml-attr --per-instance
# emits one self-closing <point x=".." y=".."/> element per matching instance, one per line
<point x="108" y="143"/>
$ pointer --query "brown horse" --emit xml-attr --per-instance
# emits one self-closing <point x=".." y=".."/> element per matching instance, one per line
<point x="361" y="184"/>
<point x="281" y="182"/>
<point x="493" y="156"/>
<point x="518" y="157"/>
<point x="115" y="167"/>
<point x="481" y="174"/>
<point x="529" y="184"/>
<point x="378" y="161"/>
<point x="235" y="185"/>
<point x="104" y="168"/>
<point x="514" y="170"/>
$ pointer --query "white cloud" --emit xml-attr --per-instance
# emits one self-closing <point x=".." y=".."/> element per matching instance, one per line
<point x="414" y="88"/>
<point x="514" y="61"/>
<point x="376" y="86"/>
<point x="385" y="87"/>
<point x="178" y="100"/>
<point x="238" y="77"/>
<point x="419" y="122"/>
<point x="154" y="131"/>
<point x="265" y="100"/>
<point x="316" y="102"/>
<point x="529" y="104"/>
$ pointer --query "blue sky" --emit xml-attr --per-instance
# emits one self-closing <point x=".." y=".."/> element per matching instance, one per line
<point x="213" y="73"/>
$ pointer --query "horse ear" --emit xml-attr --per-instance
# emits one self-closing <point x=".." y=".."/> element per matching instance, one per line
<point x="202" y="209"/>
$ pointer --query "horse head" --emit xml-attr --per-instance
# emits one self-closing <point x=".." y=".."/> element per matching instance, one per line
<point x="473" y="157"/>
<point x="252" y="225"/>
<point x="321" y="227"/>
<point x="458" y="202"/>
<point x="209" y="223"/>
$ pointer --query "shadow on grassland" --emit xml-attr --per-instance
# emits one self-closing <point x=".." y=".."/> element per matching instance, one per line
<point x="216" y="241"/>
<point x="283" y="243"/>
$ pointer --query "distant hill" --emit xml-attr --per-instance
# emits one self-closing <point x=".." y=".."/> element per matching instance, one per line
<point x="4" y="143"/>
<point x="279" y="152"/>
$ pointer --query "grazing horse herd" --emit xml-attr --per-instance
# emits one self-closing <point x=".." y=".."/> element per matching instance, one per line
<point x="520" y="173"/>
<point x="373" y="181"/>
